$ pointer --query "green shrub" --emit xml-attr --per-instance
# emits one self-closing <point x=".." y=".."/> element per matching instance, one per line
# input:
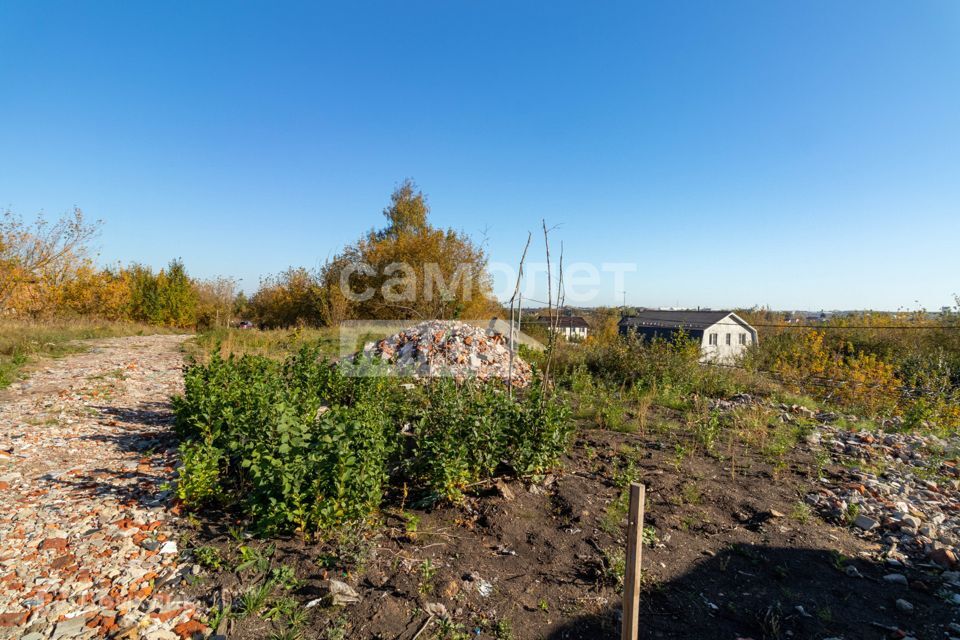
<point x="464" y="432"/>
<point x="199" y="479"/>
<point x="301" y="445"/>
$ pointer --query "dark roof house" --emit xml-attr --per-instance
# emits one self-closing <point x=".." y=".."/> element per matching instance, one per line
<point x="573" y="322"/>
<point x="723" y="335"/>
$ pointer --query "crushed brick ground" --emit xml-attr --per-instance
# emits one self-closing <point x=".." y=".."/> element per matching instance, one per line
<point x="88" y="529"/>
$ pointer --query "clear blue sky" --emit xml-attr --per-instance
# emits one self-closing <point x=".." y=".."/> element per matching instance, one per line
<point x="793" y="154"/>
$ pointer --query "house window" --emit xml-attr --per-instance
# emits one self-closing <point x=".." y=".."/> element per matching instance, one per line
<point x="713" y="339"/>
<point x="729" y="341"/>
<point x="743" y="338"/>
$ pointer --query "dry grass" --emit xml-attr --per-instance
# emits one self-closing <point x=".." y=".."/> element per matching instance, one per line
<point x="274" y="343"/>
<point x="23" y="341"/>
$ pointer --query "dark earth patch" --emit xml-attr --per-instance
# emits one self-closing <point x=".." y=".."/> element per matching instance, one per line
<point x="735" y="555"/>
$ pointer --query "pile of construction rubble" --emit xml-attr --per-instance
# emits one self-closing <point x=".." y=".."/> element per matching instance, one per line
<point x="904" y="489"/>
<point x="450" y="348"/>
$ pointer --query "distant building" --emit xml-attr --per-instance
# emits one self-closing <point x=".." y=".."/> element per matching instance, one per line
<point x="570" y="327"/>
<point x="723" y="335"/>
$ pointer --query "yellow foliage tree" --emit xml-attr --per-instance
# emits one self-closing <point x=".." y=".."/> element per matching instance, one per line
<point x="410" y="269"/>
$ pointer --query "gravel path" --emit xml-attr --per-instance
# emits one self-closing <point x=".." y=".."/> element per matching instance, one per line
<point x="88" y="533"/>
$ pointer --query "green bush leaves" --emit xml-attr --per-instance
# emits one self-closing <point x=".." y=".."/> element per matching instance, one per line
<point x="299" y="445"/>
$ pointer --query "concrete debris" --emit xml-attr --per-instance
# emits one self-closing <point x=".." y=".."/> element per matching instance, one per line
<point x="900" y="488"/>
<point x="449" y="348"/>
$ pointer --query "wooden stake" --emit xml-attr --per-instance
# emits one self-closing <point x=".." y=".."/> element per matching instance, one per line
<point x="631" y="579"/>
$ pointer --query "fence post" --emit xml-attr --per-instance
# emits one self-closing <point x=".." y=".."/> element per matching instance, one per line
<point x="634" y="556"/>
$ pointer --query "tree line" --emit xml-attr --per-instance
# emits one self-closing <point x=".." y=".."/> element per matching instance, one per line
<point x="408" y="269"/>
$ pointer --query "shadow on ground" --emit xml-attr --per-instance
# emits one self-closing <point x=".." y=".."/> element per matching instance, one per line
<point x="146" y="413"/>
<point x="752" y="591"/>
<point x="145" y="431"/>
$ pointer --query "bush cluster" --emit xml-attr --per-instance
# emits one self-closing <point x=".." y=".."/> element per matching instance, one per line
<point x="670" y="367"/>
<point x="300" y="445"/>
<point x="877" y="371"/>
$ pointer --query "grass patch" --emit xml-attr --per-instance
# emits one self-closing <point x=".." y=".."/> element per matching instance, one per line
<point x="23" y="342"/>
<point x="274" y="343"/>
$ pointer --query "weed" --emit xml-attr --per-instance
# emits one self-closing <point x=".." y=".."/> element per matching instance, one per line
<point x="851" y="513"/>
<point x="427" y="573"/>
<point x="238" y="534"/>
<point x="691" y="494"/>
<point x="614" y="566"/>
<point x="253" y="558"/>
<point x="649" y="536"/>
<point x="680" y="453"/>
<point x="821" y="459"/>
<point x="503" y="629"/>
<point x="336" y="629"/>
<point x="284" y="576"/>
<point x="838" y="560"/>
<point x="801" y="512"/>
<point x="706" y="426"/>
<point x="281" y="608"/>
<point x="643" y="399"/>
<point x="411" y="522"/>
<point x="309" y="446"/>
<point x="288" y="633"/>
<point x="771" y="621"/>
<point x="208" y="558"/>
<point x="254" y="599"/>
<point x="450" y="630"/>
<point x="217" y="616"/>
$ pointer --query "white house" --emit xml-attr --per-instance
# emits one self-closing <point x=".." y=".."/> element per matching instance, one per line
<point x="570" y="327"/>
<point x="723" y="335"/>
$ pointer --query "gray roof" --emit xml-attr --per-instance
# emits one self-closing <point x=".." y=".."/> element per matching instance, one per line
<point x="674" y="319"/>
<point x="563" y="322"/>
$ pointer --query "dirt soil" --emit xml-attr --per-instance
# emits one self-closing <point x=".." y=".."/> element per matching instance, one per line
<point x="734" y="557"/>
<point x="731" y="555"/>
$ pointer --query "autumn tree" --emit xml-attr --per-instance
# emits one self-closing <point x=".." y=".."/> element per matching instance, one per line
<point x="409" y="269"/>
<point x="215" y="301"/>
<point x="292" y="298"/>
<point x="39" y="256"/>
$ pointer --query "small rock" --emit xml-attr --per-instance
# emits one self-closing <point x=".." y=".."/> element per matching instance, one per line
<point x="896" y="578"/>
<point x="904" y="606"/>
<point x="69" y="628"/>
<point x="865" y="522"/>
<point x="911" y="521"/>
<point x="943" y="557"/>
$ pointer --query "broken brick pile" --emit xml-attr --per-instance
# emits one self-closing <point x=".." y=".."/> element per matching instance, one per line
<point x="88" y="528"/>
<point x="450" y="348"/>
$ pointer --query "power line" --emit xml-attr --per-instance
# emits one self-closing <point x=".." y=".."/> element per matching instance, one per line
<point x="863" y="326"/>
<point x="703" y="325"/>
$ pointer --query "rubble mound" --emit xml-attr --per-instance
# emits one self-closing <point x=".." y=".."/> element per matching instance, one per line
<point x="450" y="348"/>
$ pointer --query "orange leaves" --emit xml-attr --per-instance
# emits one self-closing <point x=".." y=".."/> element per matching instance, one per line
<point x="847" y="377"/>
